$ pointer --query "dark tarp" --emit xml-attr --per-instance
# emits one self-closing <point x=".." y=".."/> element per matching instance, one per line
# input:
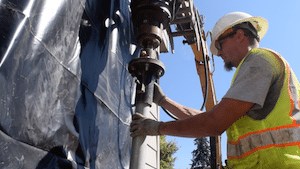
<point x="66" y="96"/>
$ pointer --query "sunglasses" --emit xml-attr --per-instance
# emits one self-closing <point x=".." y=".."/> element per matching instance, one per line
<point x="229" y="32"/>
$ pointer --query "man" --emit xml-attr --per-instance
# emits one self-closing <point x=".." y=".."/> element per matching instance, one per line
<point x="260" y="111"/>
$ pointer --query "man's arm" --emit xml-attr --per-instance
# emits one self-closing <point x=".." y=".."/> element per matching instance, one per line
<point x="213" y="122"/>
<point x="178" y="110"/>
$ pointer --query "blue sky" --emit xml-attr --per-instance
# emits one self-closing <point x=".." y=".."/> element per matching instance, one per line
<point x="181" y="82"/>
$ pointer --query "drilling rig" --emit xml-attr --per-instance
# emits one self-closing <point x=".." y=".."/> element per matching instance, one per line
<point x="153" y="20"/>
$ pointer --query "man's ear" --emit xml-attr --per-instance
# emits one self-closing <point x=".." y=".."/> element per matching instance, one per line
<point x="240" y="35"/>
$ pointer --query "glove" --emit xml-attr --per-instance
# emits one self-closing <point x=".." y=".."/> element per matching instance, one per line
<point x="141" y="125"/>
<point x="158" y="95"/>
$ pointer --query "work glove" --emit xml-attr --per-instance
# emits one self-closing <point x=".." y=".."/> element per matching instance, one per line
<point x="158" y="95"/>
<point x="141" y="125"/>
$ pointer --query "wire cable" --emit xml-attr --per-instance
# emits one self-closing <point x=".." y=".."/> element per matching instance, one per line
<point x="170" y="114"/>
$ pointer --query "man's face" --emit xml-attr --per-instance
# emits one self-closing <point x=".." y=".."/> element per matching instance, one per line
<point x="225" y="46"/>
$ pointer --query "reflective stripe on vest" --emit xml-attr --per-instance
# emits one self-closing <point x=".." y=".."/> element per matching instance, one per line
<point x="271" y="138"/>
<point x="295" y="99"/>
<point x="268" y="137"/>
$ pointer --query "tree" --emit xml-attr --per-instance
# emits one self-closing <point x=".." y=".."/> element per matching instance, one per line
<point x="167" y="150"/>
<point x="201" y="156"/>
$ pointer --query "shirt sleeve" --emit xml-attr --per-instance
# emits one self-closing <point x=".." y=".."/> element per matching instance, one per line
<point x="252" y="81"/>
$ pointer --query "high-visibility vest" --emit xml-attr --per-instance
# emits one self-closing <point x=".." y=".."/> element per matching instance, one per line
<point x="273" y="142"/>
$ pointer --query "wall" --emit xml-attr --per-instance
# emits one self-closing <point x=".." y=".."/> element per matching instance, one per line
<point x="67" y="97"/>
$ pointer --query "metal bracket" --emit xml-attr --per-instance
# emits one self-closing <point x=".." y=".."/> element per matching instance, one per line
<point x="188" y="23"/>
<point x="139" y="65"/>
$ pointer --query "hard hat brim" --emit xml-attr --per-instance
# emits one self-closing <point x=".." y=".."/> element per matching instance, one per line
<point x="261" y="27"/>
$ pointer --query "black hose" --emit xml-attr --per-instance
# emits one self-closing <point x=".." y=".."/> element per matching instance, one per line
<point x="206" y="82"/>
<point x="205" y="66"/>
<point x="170" y="114"/>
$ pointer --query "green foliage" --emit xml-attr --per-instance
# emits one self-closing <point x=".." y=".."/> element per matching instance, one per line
<point x="167" y="150"/>
<point x="201" y="156"/>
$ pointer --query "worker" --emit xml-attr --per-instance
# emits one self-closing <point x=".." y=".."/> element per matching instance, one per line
<point x="260" y="111"/>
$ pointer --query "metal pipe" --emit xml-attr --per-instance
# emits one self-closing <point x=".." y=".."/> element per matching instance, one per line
<point x="150" y="17"/>
<point x="138" y="152"/>
<point x="143" y="105"/>
<point x="146" y="70"/>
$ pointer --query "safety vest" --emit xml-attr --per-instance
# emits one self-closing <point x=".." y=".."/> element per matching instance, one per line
<point x="273" y="142"/>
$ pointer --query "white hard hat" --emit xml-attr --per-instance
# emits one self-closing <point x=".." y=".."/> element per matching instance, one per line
<point x="232" y="19"/>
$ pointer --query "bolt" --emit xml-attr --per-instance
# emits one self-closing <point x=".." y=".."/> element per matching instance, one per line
<point x="159" y="73"/>
<point x="144" y="53"/>
<point x="145" y="21"/>
<point x="146" y="66"/>
<point x="143" y="88"/>
<point x="137" y="81"/>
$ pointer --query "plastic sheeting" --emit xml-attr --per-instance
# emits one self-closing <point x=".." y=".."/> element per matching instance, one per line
<point x="66" y="97"/>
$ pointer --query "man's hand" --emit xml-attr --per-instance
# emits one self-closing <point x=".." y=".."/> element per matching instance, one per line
<point x="158" y="95"/>
<point x="141" y="125"/>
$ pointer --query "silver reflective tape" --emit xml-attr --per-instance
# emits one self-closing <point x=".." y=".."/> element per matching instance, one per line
<point x="254" y="141"/>
<point x="295" y="97"/>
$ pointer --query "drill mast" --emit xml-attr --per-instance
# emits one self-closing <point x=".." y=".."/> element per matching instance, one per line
<point x="153" y="20"/>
